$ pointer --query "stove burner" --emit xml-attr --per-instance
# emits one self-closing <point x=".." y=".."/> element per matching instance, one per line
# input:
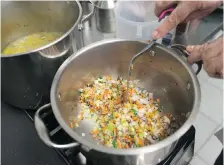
<point x="181" y="155"/>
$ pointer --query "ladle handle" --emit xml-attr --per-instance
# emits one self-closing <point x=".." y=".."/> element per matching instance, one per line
<point x="183" y="51"/>
<point x="43" y="133"/>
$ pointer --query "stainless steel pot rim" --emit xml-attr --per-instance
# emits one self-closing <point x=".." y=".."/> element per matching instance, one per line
<point x="54" y="42"/>
<point x="133" y="151"/>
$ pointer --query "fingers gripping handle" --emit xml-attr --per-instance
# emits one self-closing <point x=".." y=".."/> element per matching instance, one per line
<point x="182" y="49"/>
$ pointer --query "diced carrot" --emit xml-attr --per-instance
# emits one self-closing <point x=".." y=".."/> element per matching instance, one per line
<point x="126" y="146"/>
<point x="130" y="91"/>
<point x="140" y="142"/>
<point x="140" y="106"/>
<point x="123" y="88"/>
<point x="158" y="100"/>
<point x="108" y="78"/>
<point x="114" y="85"/>
<point x="116" y="115"/>
<point x="71" y="125"/>
<point x="134" y="118"/>
<point x="118" y="101"/>
<point x="106" y="91"/>
<point x="105" y="112"/>
<point x="118" y="144"/>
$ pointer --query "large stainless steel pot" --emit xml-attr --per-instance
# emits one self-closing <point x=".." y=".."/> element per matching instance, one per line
<point x="163" y="71"/>
<point x="104" y="15"/>
<point x="27" y="77"/>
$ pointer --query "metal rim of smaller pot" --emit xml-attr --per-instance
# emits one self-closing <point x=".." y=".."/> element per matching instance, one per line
<point x="132" y="151"/>
<point x="54" y="42"/>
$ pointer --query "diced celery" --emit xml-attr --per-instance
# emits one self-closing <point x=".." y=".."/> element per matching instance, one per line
<point x="110" y="126"/>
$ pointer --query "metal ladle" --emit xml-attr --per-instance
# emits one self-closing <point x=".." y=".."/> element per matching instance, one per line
<point x="162" y="15"/>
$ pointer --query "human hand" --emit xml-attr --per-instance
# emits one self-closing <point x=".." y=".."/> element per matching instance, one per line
<point x="184" y="12"/>
<point x="212" y="56"/>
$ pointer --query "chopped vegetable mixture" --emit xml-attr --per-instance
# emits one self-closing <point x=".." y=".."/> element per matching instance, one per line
<point x="135" y="123"/>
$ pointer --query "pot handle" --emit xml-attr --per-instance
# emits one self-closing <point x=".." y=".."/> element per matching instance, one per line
<point x="43" y="133"/>
<point x="86" y="18"/>
<point x="183" y="51"/>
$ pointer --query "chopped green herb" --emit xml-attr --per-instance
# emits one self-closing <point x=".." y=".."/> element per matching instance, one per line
<point x="100" y="81"/>
<point x="110" y="126"/>
<point x="137" y="145"/>
<point x="114" y="143"/>
<point x="111" y="116"/>
<point x="141" y="135"/>
<point x="134" y="111"/>
<point x="100" y="77"/>
<point x="118" y="87"/>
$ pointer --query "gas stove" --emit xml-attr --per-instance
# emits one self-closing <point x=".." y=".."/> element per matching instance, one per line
<point x="181" y="155"/>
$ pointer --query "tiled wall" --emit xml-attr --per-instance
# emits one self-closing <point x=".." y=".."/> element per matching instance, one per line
<point x="209" y="120"/>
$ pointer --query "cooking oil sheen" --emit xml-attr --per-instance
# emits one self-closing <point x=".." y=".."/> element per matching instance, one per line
<point x="30" y="42"/>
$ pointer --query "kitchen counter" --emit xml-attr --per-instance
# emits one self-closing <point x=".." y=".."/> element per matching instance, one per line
<point x="20" y="142"/>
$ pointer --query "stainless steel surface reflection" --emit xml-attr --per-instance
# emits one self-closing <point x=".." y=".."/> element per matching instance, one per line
<point x="193" y="33"/>
<point x="200" y="31"/>
<point x="112" y="57"/>
<point x="105" y="16"/>
<point x="27" y="77"/>
<point x="92" y="34"/>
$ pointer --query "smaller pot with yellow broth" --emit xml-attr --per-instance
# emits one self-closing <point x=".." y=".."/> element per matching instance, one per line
<point x="37" y="36"/>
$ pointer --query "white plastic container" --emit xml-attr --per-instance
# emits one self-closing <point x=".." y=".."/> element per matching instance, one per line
<point x="135" y="20"/>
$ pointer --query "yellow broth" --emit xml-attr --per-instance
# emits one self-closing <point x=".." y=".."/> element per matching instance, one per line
<point x="30" y="42"/>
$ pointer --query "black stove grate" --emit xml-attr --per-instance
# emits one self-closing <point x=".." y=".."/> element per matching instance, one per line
<point x="59" y="136"/>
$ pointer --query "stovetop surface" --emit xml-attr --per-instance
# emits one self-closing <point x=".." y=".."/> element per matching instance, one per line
<point x="70" y="156"/>
<point x="20" y="144"/>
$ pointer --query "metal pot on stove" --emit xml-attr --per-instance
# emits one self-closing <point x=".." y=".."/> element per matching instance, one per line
<point x="27" y="77"/>
<point x="166" y="73"/>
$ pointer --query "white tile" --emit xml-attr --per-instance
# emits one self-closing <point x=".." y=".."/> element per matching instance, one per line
<point x="197" y="161"/>
<point x="219" y="127"/>
<point x="212" y="102"/>
<point x="205" y="128"/>
<point x="217" y="82"/>
<point x="211" y="150"/>
<point x="203" y="77"/>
